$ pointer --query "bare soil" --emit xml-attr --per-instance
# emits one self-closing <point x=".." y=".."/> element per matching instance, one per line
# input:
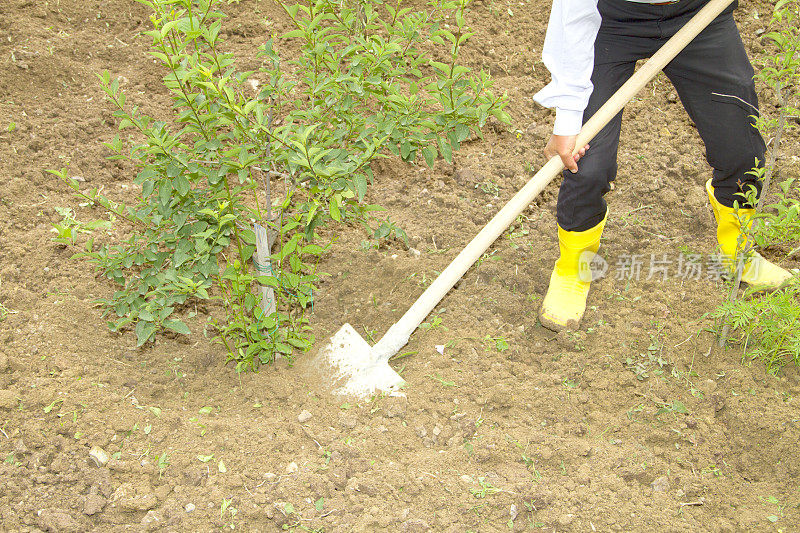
<point x="509" y="427"/>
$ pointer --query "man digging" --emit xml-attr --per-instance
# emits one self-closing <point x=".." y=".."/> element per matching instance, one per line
<point x="591" y="49"/>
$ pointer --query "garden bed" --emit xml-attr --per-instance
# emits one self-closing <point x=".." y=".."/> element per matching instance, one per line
<point x="636" y="423"/>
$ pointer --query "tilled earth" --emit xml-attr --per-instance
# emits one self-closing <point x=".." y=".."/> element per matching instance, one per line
<point x="635" y="423"/>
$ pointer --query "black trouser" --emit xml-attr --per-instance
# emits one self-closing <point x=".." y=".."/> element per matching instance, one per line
<point x="714" y="80"/>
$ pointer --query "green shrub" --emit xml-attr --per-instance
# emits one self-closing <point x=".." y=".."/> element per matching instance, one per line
<point x="363" y="87"/>
<point x="778" y="225"/>
<point x="769" y="325"/>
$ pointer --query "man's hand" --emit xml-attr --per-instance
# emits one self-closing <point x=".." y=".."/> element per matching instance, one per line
<point x="563" y="146"/>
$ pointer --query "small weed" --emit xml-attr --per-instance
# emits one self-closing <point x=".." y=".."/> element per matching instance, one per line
<point x="162" y="461"/>
<point x="529" y="462"/>
<point x="651" y="362"/>
<point x="295" y="525"/>
<point x="444" y="382"/>
<point x="422" y="279"/>
<point x="4" y="311"/>
<point x="485" y="257"/>
<point x="433" y="324"/>
<point x="486" y="489"/>
<point x="202" y="427"/>
<point x="367" y="246"/>
<point x="498" y="343"/>
<point x="370" y="333"/>
<point x="175" y="369"/>
<point x="69" y="227"/>
<point x="686" y="251"/>
<point x="468" y="447"/>
<point x="52" y="406"/>
<point x="674" y="407"/>
<point x="600" y="323"/>
<point x="388" y="230"/>
<point x="403" y="355"/>
<point x="518" y="231"/>
<point x="76" y="413"/>
<point x="231" y="513"/>
<point x="767" y="327"/>
<point x="577" y="338"/>
<point x="772" y="500"/>
<point x="489" y="187"/>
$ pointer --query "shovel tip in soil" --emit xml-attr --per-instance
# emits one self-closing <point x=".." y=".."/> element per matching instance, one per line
<point x="357" y="370"/>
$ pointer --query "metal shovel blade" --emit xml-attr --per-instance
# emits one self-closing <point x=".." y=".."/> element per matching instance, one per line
<point x="356" y="371"/>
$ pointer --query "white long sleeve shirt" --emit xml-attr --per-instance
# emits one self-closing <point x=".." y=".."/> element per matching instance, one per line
<point x="568" y="54"/>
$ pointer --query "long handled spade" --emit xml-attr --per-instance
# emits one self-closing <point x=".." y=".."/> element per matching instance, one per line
<point x="360" y="369"/>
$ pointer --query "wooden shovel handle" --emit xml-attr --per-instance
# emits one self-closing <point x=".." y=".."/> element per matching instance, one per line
<point x="398" y="334"/>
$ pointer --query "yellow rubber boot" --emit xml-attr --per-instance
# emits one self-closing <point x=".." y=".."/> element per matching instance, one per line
<point x="758" y="273"/>
<point x="565" y="301"/>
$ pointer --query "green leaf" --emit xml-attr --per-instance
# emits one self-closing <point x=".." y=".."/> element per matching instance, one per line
<point x="319" y="504"/>
<point x="405" y="149"/>
<point x="144" y="331"/>
<point x="360" y="183"/>
<point x="50" y="407"/>
<point x="445" y="69"/>
<point x="314" y="249"/>
<point x="334" y="209"/>
<point x="290" y="246"/>
<point x="454" y="144"/>
<point x="165" y="192"/>
<point x="429" y="153"/>
<point x="678" y="407"/>
<point x="293" y="34"/>
<point x="462" y="132"/>
<point x="181" y="184"/>
<point x="147" y="188"/>
<point x="176" y="325"/>
<point x="444" y="147"/>
<point x="501" y="115"/>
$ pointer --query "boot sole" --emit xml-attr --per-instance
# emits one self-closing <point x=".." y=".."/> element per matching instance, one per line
<point x="552" y="325"/>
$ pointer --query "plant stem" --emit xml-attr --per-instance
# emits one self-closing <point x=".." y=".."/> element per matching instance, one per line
<point x="231" y="204"/>
<point x="773" y="156"/>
